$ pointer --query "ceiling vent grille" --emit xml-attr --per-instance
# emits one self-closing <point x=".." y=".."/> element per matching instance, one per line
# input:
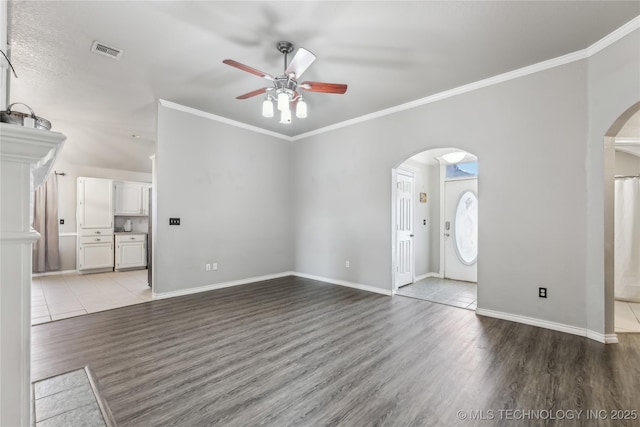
<point x="103" y="49"/>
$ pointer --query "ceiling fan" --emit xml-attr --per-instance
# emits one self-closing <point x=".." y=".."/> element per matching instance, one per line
<point x="285" y="89"/>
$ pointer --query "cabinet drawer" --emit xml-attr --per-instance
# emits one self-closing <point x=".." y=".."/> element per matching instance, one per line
<point x="87" y="240"/>
<point x="124" y="238"/>
<point x="96" y="232"/>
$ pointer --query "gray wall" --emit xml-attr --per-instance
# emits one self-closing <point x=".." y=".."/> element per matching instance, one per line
<point x="613" y="87"/>
<point x="434" y="213"/>
<point x="627" y="164"/>
<point x="530" y="136"/>
<point x="231" y="189"/>
<point x="67" y="202"/>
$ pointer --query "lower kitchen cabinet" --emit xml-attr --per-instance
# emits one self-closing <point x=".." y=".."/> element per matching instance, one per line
<point x="95" y="253"/>
<point x="131" y="251"/>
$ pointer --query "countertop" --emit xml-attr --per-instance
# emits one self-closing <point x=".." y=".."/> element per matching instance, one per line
<point x="129" y="232"/>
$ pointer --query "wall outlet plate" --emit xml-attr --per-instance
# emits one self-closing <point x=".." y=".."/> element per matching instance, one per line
<point x="174" y="221"/>
<point x="542" y="292"/>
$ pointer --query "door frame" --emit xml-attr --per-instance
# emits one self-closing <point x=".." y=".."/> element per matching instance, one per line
<point x="405" y="170"/>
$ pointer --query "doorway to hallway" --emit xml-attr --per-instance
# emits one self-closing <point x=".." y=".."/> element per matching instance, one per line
<point x="435" y="227"/>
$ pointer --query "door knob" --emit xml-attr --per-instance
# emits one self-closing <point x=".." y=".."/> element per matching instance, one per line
<point x="447" y="234"/>
<point x="410" y="235"/>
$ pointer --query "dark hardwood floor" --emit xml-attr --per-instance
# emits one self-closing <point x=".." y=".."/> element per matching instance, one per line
<point x="298" y="352"/>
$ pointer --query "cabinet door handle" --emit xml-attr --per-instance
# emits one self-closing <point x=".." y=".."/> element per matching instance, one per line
<point x="97" y="232"/>
<point x="132" y="238"/>
<point x="97" y="240"/>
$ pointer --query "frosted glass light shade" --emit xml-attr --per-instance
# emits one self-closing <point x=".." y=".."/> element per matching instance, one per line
<point x="454" y="157"/>
<point x="285" y="116"/>
<point x="301" y="109"/>
<point x="267" y="108"/>
<point x="283" y="101"/>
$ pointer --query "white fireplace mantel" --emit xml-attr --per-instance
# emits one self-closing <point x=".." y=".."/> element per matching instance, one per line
<point x="26" y="158"/>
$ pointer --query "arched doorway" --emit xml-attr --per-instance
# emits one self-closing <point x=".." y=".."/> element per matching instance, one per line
<point x="435" y="227"/>
<point x="622" y="221"/>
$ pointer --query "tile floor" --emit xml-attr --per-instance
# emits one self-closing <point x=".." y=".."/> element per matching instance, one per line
<point x="443" y="291"/>
<point x="67" y="400"/>
<point x="627" y="317"/>
<point x="67" y="295"/>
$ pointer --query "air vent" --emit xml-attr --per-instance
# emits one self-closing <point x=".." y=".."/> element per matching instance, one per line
<point x="103" y="49"/>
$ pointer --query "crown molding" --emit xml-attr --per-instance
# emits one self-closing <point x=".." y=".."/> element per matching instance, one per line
<point x="596" y="47"/>
<point x="214" y="117"/>
<point x="614" y="36"/>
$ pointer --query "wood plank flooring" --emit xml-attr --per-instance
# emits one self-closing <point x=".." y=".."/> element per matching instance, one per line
<point x="296" y="352"/>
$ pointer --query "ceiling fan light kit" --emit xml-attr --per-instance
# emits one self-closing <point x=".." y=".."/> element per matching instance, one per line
<point x="285" y="87"/>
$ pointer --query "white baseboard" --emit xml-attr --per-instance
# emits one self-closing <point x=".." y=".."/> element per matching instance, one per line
<point x="604" y="338"/>
<point x="53" y="273"/>
<point x="420" y="277"/>
<point x="214" y="286"/>
<point x="358" y="286"/>
<point x="574" y="330"/>
<point x="438" y="275"/>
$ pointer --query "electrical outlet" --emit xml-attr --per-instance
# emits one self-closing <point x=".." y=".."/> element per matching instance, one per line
<point x="347" y="264"/>
<point x="215" y="266"/>
<point x="542" y="292"/>
<point x="174" y="221"/>
<point x="207" y="267"/>
<point x="424" y="222"/>
<point x="62" y="222"/>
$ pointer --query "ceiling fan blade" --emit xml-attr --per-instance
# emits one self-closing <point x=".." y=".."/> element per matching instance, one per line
<point x="323" y="87"/>
<point x="248" y="69"/>
<point x="300" y="62"/>
<point x="254" y="93"/>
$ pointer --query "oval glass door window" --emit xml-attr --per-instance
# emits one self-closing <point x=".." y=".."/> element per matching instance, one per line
<point x="466" y="228"/>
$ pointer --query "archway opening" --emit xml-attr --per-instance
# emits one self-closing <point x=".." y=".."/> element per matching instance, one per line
<point x="622" y="220"/>
<point x="435" y="227"/>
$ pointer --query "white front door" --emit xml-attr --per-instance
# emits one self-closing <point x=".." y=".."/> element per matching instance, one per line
<point x="404" y="227"/>
<point x="461" y="230"/>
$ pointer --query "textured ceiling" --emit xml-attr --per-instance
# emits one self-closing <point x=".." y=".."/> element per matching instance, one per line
<point x="388" y="53"/>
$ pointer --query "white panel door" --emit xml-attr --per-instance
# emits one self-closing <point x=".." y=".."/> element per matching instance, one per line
<point x="461" y="230"/>
<point x="95" y="203"/>
<point x="404" y="227"/>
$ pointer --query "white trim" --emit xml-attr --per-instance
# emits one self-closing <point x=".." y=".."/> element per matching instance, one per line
<point x="214" y="286"/>
<point x="67" y="234"/>
<point x="338" y="282"/>
<point x="603" y="338"/>
<point x="554" y="326"/>
<point x="53" y="273"/>
<point x="596" y="47"/>
<point x="627" y="141"/>
<point x="614" y="36"/>
<point x="421" y="277"/>
<point x="221" y="119"/>
<point x="428" y="275"/>
<point x="500" y="78"/>
<point x="14" y="237"/>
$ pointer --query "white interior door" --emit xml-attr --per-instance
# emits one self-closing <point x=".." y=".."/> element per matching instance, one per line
<point x="404" y="227"/>
<point x="461" y="230"/>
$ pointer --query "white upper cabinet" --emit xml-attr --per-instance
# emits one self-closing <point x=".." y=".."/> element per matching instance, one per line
<point x="95" y="203"/>
<point x="130" y="199"/>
